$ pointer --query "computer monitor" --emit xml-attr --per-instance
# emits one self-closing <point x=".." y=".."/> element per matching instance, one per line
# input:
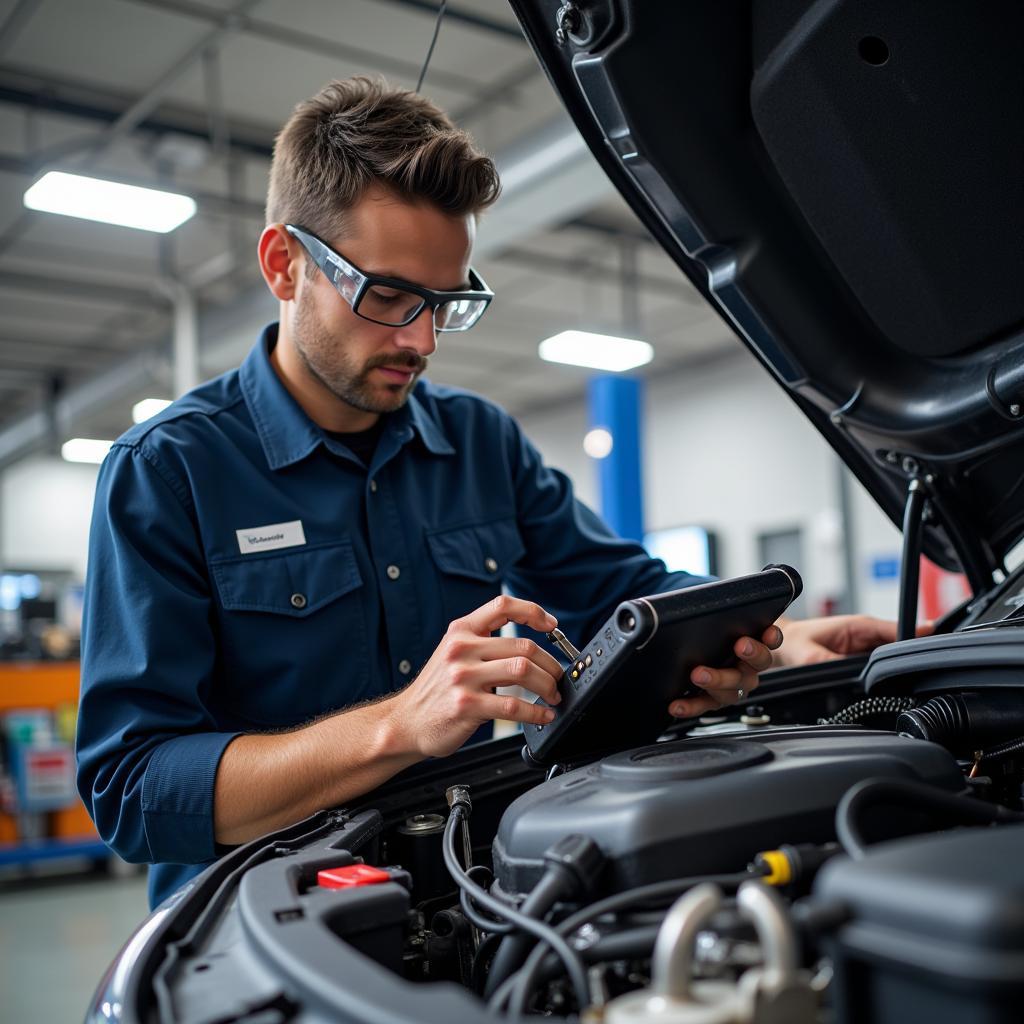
<point x="684" y="549"/>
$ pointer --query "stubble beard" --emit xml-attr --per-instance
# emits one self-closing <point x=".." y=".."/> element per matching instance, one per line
<point x="324" y="356"/>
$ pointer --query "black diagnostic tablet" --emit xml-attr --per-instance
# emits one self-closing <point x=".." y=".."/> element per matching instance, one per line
<point x="616" y="691"/>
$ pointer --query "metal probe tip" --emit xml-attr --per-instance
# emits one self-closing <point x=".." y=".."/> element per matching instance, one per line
<point x="557" y="637"/>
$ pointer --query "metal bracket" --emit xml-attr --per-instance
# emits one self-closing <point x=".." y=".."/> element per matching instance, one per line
<point x="568" y="21"/>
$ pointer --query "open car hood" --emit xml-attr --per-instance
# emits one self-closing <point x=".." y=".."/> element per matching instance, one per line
<point x="844" y="181"/>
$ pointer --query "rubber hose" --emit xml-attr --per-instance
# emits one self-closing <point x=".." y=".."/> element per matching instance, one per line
<point x="902" y="791"/>
<point x="556" y="883"/>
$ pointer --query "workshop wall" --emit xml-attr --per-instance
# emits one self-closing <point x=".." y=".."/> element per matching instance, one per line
<point x="724" y="448"/>
<point x="45" y="508"/>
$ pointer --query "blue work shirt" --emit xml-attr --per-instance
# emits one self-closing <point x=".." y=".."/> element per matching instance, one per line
<point x="248" y="572"/>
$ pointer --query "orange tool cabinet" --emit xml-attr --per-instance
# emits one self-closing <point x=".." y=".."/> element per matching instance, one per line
<point x="49" y="685"/>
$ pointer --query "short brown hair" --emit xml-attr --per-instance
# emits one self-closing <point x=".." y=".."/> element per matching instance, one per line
<point x="359" y="132"/>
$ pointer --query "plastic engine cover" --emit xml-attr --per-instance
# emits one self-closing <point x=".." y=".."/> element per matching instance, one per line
<point x="935" y="929"/>
<point x="697" y="806"/>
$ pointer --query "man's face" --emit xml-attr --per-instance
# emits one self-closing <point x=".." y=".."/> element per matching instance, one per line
<point x="366" y="365"/>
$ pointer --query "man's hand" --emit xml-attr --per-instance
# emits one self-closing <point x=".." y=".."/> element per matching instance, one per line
<point x="453" y="695"/>
<point x="722" y="686"/>
<point x="809" y="641"/>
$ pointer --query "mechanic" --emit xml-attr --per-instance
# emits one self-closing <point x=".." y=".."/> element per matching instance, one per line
<point x="296" y="571"/>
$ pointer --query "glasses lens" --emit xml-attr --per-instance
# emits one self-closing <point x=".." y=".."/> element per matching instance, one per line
<point x="389" y="305"/>
<point x="459" y="314"/>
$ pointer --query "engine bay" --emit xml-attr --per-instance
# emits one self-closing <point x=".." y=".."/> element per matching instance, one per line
<point x="845" y="849"/>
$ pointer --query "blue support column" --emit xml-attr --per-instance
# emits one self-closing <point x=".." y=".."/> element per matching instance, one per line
<point x="615" y="404"/>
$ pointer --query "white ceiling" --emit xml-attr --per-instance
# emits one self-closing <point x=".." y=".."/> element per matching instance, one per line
<point x="81" y="298"/>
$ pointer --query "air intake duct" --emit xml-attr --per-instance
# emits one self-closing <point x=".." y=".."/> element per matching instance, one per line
<point x="965" y="722"/>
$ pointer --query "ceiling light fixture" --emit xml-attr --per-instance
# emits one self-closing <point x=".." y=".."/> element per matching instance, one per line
<point x="85" y="449"/>
<point x="597" y="351"/>
<point x="110" y="202"/>
<point x="141" y="411"/>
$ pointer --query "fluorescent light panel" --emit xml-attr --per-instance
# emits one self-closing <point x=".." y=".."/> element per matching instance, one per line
<point x="597" y="351"/>
<point x="85" y="449"/>
<point x="110" y="202"/>
<point x="141" y="411"/>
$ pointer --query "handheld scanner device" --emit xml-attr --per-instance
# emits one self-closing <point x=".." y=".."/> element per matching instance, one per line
<point x="617" y="689"/>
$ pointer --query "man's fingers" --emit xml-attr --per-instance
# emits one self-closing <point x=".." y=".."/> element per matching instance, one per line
<point x="512" y="709"/>
<point x="722" y="685"/>
<point x="519" y="671"/>
<point x="690" y="707"/>
<point x="496" y="648"/>
<point x="725" y="679"/>
<point x="772" y="638"/>
<point x="504" y="609"/>
<point x="757" y="655"/>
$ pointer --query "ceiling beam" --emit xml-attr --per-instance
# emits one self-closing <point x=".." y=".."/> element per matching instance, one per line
<point x="581" y="267"/>
<point x="82" y="287"/>
<point x="504" y="90"/>
<point x="145" y="104"/>
<point x="467" y="17"/>
<point x="548" y="177"/>
<point x="310" y="42"/>
<point x="15" y="22"/>
<point x="71" y="98"/>
<point x="622" y="232"/>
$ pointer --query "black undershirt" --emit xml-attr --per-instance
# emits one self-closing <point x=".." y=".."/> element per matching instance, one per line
<point x="363" y="443"/>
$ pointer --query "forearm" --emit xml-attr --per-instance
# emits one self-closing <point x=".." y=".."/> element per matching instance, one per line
<point x="265" y="782"/>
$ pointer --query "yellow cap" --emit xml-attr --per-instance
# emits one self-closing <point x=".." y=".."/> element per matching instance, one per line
<point x="781" y="871"/>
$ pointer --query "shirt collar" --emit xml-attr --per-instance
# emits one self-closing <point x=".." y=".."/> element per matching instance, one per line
<point x="288" y="435"/>
<point x="425" y="424"/>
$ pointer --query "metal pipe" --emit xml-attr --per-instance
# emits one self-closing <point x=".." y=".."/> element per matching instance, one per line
<point x="672" y="963"/>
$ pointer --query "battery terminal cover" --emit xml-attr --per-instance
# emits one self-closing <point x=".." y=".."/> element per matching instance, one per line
<point x="351" y="876"/>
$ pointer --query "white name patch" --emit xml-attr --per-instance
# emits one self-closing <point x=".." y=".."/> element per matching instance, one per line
<point x="266" y="538"/>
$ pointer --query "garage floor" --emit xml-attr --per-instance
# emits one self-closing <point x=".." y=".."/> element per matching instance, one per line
<point x="57" y="937"/>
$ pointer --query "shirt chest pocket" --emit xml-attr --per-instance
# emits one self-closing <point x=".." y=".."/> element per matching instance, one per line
<point x="472" y="560"/>
<point x="293" y="628"/>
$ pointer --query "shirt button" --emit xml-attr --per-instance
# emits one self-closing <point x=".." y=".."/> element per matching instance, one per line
<point x="373" y="486"/>
<point x="298" y="600"/>
<point x="405" y="666"/>
<point x="393" y="572"/>
<point x="491" y="565"/>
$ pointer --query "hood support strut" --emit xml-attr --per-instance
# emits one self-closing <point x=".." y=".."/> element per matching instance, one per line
<point x="910" y="563"/>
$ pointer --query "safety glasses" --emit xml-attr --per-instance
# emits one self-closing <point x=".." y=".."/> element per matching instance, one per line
<point x="390" y="301"/>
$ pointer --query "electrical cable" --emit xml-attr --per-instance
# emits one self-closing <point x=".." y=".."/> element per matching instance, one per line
<point x="571" y="866"/>
<point x="520" y="984"/>
<point x="631" y="944"/>
<point x="1003" y="750"/>
<point x="960" y="809"/>
<point x="545" y="933"/>
<point x="862" y="709"/>
<point x="433" y="40"/>
<point x="484" y="923"/>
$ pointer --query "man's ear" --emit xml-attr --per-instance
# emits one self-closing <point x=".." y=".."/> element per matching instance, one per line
<point x="281" y="261"/>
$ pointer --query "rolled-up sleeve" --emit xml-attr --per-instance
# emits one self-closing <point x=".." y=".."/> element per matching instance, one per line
<point x="147" y="743"/>
<point x="576" y="566"/>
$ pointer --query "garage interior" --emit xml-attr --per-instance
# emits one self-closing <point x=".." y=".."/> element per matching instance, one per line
<point x="187" y="95"/>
